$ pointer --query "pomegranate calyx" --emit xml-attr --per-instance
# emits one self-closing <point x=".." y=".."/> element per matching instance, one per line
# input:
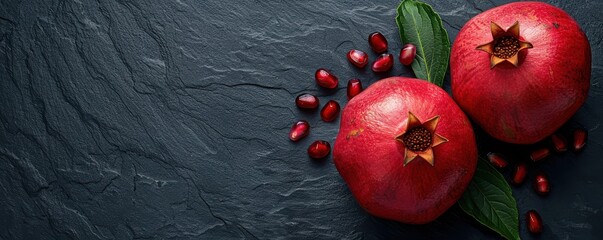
<point x="505" y="45"/>
<point x="419" y="139"/>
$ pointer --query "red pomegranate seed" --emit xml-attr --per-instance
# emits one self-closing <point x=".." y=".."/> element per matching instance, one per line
<point x="497" y="160"/>
<point x="559" y="142"/>
<point x="407" y="54"/>
<point x="299" y="130"/>
<point x="541" y="184"/>
<point x="534" y="222"/>
<point x="580" y="136"/>
<point x="358" y="58"/>
<point x="383" y="63"/>
<point x="319" y="149"/>
<point x="326" y="79"/>
<point x="354" y="88"/>
<point x="540" y="154"/>
<point x="307" y="101"/>
<point x="378" y="42"/>
<point x="330" y="111"/>
<point x="519" y="175"/>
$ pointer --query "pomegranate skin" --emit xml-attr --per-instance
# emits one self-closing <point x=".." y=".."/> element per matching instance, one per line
<point x="371" y="160"/>
<point x="523" y="104"/>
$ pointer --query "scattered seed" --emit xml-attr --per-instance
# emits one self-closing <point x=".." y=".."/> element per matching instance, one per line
<point x="580" y="136"/>
<point x="540" y="154"/>
<point x="497" y="160"/>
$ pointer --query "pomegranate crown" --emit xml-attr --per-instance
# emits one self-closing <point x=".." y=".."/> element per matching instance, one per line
<point x="505" y="45"/>
<point x="419" y="139"/>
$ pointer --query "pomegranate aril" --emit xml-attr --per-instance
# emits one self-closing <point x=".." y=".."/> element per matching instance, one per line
<point x="580" y="136"/>
<point x="354" y="88"/>
<point x="383" y="63"/>
<point x="330" y="111"/>
<point x="534" y="222"/>
<point x="326" y="79"/>
<point x="519" y="175"/>
<point x="307" y="101"/>
<point x="319" y="149"/>
<point x="378" y="42"/>
<point x="407" y="54"/>
<point x="559" y="142"/>
<point x="299" y="130"/>
<point x="357" y="58"/>
<point x="541" y="184"/>
<point x="497" y="160"/>
<point x="540" y="154"/>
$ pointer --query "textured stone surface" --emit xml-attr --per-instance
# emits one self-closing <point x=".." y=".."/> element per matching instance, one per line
<point x="169" y="119"/>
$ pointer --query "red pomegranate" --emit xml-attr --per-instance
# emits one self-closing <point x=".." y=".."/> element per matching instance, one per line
<point x="521" y="70"/>
<point x="405" y="149"/>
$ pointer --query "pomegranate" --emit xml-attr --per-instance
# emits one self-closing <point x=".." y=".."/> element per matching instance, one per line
<point x="383" y="63"/>
<point x="378" y="42"/>
<point x="521" y="70"/>
<point x="357" y="58"/>
<point x="319" y="149"/>
<point x="405" y="149"/>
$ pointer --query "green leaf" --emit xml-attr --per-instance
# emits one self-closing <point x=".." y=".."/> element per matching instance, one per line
<point x="488" y="199"/>
<point x="421" y="26"/>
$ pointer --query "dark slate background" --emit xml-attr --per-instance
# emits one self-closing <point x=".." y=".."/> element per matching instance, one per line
<point x="169" y="119"/>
